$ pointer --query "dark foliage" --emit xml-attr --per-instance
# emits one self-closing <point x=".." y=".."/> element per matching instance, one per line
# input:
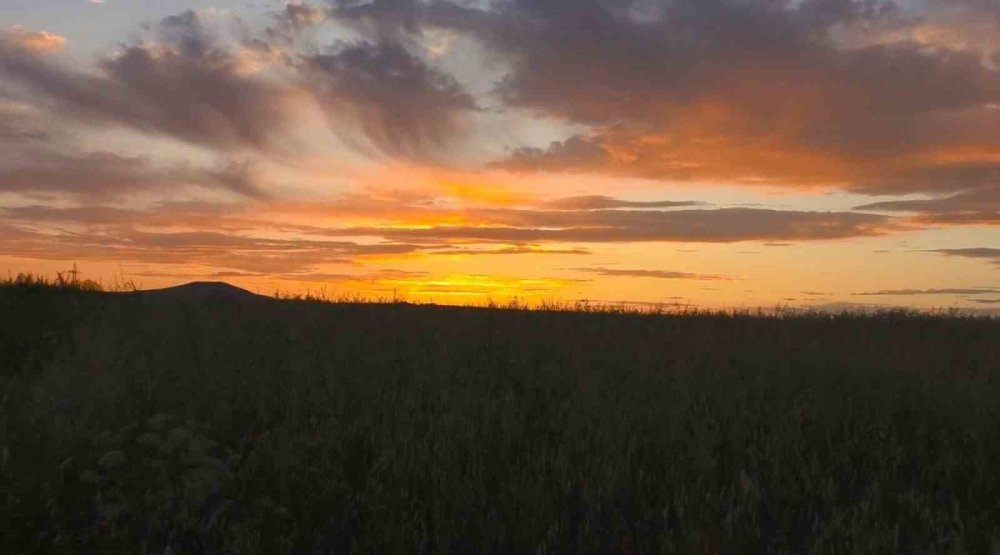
<point x="134" y="423"/>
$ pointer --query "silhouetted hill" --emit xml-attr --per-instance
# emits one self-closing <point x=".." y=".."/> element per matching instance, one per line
<point x="202" y="291"/>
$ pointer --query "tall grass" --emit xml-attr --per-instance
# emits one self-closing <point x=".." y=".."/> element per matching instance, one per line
<point x="292" y="427"/>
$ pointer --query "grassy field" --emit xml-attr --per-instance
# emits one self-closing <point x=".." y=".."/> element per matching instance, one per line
<point x="133" y="424"/>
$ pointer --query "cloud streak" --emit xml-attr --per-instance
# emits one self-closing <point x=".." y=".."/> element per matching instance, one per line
<point x="600" y="226"/>
<point x="602" y="202"/>
<point x="985" y="253"/>
<point x="231" y="251"/>
<point x="654" y="274"/>
<point x="104" y="174"/>
<point x="979" y="206"/>
<point x="942" y="291"/>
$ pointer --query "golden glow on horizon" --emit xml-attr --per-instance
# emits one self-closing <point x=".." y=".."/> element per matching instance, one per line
<point x="287" y="152"/>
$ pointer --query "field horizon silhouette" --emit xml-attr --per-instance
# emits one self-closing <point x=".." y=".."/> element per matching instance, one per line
<point x="204" y="422"/>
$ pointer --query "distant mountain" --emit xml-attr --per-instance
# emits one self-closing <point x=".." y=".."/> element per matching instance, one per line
<point x="203" y="291"/>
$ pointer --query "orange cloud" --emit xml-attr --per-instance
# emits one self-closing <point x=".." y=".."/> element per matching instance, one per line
<point x="35" y="42"/>
<point x="450" y="186"/>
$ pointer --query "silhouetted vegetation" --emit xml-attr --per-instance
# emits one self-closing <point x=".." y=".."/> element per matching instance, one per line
<point x="133" y="423"/>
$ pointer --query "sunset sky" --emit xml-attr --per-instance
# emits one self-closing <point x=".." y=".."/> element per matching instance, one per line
<point x="721" y="153"/>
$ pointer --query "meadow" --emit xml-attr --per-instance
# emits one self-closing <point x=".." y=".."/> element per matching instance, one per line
<point x="132" y="423"/>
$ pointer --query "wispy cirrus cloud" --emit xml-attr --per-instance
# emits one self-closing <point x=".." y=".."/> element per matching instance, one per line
<point x="191" y="83"/>
<point x="401" y="104"/>
<point x="184" y="85"/>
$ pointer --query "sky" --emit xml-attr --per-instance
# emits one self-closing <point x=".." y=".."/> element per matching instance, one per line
<point x="715" y="153"/>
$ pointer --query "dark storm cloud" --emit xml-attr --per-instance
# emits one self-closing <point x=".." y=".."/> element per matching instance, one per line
<point x="656" y="274"/>
<point x="399" y="102"/>
<point x="724" y="89"/>
<point x="183" y="85"/>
